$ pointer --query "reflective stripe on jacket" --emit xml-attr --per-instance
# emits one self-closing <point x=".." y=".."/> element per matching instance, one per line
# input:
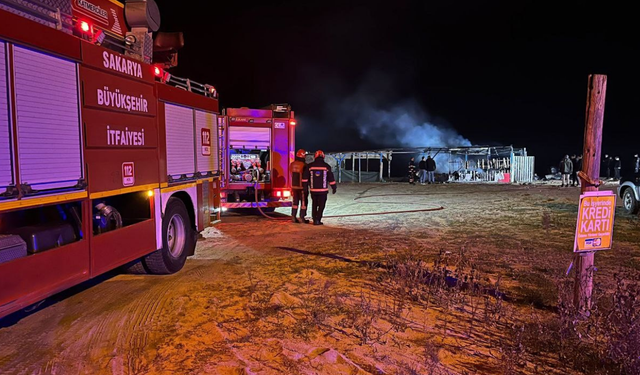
<point x="318" y="177"/>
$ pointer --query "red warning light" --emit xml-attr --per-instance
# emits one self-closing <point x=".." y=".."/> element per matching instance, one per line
<point x="293" y="122"/>
<point x="157" y="71"/>
<point x="85" y="27"/>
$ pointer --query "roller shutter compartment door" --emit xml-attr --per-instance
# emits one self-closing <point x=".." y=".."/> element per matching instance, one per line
<point x="207" y="156"/>
<point x="48" y="121"/>
<point x="6" y="173"/>
<point x="249" y="138"/>
<point x="181" y="156"/>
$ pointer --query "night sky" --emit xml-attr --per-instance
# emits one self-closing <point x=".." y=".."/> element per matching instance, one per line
<point x="498" y="73"/>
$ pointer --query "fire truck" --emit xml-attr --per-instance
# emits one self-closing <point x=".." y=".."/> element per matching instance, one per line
<point x="105" y="158"/>
<point x="257" y="149"/>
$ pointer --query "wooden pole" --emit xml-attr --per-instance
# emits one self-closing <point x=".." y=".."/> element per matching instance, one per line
<point x="590" y="180"/>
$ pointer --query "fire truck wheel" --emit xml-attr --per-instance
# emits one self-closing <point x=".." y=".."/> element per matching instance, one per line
<point x="135" y="268"/>
<point x="177" y="239"/>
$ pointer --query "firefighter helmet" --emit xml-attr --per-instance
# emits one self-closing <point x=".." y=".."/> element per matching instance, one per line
<point x="301" y="153"/>
<point x="319" y="154"/>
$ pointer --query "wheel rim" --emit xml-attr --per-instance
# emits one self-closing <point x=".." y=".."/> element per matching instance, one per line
<point x="628" y="200"/>
<point x="176" y="237"/>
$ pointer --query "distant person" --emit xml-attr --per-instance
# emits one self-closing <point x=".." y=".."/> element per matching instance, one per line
<point x="566" y="168"/>
<point x="412" y="171"/>
<point x="578" y="168"/>
<point x="617" y="166"/>
<point x="574" y="173"/>
<point x="636" y="163"/>
<point x="604" y="167"/>
<point x="422" y="171"/>
<point x="300" y="194"/>
<point x="431" y="169"/>
<point x="317" y="179"/>
<point x="610" y="168"/>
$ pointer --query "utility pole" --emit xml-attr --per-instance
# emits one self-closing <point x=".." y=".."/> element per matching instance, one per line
<point x="590" y="180"/>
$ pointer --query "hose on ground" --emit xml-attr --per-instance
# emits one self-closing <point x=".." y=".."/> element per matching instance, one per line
<point x="255" y="190"/>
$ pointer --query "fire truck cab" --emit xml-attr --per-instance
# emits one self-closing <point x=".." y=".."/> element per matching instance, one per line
<point x="257" y="149"/>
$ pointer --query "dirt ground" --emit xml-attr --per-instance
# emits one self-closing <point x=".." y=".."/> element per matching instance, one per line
<point x="451" y="289"/>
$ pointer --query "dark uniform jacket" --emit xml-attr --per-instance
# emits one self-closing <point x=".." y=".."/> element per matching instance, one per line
<point x="431" y="164"/>
<point x="297" y="169"/>
<point x="318" y="177"/>
<point x="422" y="164"/>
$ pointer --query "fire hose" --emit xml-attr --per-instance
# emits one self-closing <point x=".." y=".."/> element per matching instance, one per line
<point x="255" y="190"/>
<point x="256" y="185"/>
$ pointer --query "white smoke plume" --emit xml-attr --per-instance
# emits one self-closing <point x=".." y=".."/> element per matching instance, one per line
<point x="405" y="124"/>
<point x="386" y="117"/>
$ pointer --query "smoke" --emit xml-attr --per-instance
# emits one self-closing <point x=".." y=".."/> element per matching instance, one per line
<point x="388" y="117"/>
<point x="404" y="124"/>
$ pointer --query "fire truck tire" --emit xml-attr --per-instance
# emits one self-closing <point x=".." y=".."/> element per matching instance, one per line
<point x="177" y="240"/>
<point x="135" y="268"/>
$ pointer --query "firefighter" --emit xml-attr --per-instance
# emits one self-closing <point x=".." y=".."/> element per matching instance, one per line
<point x="317" y="179"/>
<point x="617" y="166"/>
<point x="300" y="194"/>
<point x="412" y="171"/>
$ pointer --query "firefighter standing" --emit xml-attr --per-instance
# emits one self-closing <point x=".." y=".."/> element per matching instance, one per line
<point x="412" y="171"/>
<point x="317" y="179"/>
<point x="300" y="194"/>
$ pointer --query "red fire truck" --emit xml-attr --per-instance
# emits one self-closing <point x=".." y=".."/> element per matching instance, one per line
<point x="257" y="149"/>
<point x="105" y="159"/>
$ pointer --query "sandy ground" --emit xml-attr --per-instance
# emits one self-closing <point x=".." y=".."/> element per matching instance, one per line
<point x="272" y="297"/>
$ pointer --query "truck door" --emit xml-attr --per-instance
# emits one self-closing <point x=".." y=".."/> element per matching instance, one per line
<point x="6" y="171"/>
<point x="48" y="120"/>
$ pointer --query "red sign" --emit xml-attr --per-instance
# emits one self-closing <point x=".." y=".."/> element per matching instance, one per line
<point x="128" y="174"/>
<point x="106" y="14"/>
<point x="594" y="230"/>
<point x="206" y="142"/>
